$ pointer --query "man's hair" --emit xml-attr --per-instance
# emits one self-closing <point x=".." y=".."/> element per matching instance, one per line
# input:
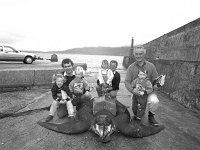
<point x="139" y="47"/>
<point x="67" y="61"/>
<point x="114" y="61"/>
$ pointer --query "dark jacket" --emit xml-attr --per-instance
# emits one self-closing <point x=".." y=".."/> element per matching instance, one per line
<point x="116" y="81"/>
<point x="68" y="78"/>
<point x="55" y="90"/>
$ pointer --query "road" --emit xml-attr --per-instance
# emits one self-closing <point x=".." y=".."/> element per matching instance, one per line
<point x="38" y="64"/>
<point x="35" y="65"/>
<point x="21" y="132"/>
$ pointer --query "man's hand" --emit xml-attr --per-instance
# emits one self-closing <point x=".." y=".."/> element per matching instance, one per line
<point x="159" y="81"/>
<point x="155" y="86"/>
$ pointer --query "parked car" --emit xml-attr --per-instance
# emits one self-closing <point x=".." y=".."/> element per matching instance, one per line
<point x="8" y="53"/>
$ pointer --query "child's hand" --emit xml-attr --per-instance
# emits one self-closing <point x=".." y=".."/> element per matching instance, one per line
<point x="62" y="101"/>
<point x="104" y="90"/>
<point x="58" y="99"/>
<point x="141" y="92"/>
<point x="79" y="91"/>
<point x="105" y="85"/>
<point x="73" y="96"/>
<point x="68" y="99"/>
<point x="136" y="92"/>
<point x="87" y="93"/>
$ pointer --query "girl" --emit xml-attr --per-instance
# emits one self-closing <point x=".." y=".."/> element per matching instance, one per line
<point x="60" y="93"/>
<point x="105" y="77"/>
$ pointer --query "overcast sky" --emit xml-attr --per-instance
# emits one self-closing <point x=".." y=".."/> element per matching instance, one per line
<point x="64" y="24"/>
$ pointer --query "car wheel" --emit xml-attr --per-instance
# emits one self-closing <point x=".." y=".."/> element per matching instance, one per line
<point x="28" y="60"/>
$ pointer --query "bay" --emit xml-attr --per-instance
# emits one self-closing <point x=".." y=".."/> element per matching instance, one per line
<point x="92" y="61"/>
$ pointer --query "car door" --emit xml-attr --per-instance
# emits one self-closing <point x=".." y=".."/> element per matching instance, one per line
<point x="11" y="54"/>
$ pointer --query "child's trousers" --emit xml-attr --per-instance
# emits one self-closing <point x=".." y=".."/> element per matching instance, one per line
<point x="54" y="107"/>
<point x="139" y="105"/>
<point x="151" y="101"/>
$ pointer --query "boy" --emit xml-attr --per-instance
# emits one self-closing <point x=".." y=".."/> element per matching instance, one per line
<point x="79" y="87"/>
<point x="144" y="88"/>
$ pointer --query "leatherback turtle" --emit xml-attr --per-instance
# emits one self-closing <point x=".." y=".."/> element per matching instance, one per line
<point x="103" y="117"/>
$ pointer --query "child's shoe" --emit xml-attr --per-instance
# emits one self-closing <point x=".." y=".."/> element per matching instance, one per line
<point x="72" y="118"/>
<point x="50" y="117"/>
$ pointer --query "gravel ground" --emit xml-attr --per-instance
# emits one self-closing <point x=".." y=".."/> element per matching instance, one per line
<point x="20" y="111"/>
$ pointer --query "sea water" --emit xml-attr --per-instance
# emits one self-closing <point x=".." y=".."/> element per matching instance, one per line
<point x="92" y="61"/>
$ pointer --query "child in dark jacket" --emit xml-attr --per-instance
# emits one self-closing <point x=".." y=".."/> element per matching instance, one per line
<point x="144" y="86"/>
<point x="60" y="93"/>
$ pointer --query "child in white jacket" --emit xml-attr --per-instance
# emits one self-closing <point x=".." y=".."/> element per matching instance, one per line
<point x="105" y="76"/>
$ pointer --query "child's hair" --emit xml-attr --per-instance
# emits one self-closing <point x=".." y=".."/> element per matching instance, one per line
<point x="79" y="70"/>
<point x="143" y="71"/>
<point x="104" y="62"/>
<point x="56" y="76"/>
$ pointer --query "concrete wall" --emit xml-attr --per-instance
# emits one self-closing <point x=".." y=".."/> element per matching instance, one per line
<point x="26" y="78"/>
<point x="23" y="78"/>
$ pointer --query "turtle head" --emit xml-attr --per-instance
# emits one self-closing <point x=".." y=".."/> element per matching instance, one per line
<point x="103" y="126"/>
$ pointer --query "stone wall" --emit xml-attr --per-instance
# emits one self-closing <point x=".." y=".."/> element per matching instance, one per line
<point x="177" y="54"/>
<point x="180" y="44"/>
<point x="182" y="81"/>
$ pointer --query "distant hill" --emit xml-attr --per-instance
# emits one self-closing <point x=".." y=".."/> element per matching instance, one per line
<point x="113" y="51"/>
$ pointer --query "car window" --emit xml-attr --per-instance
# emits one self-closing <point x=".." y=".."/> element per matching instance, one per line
<point x="8" y="49"/>
<point x="1" y="49"/>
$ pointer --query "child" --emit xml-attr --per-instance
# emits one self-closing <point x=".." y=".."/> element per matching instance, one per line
<point x="144" y="88"/>
<point x="105" y="77"/>
<point x="79" y="87"/>
<point x="60" y="94"/>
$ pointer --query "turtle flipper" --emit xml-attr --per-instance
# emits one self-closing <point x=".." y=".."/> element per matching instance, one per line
<point x="83" y="123"/>
<point x="135" y="128"/>
<point x="72" y="127"/>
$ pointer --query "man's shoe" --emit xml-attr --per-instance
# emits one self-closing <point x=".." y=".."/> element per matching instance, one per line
<point x="50" y="117"/>
<point x="152" y="120"/>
